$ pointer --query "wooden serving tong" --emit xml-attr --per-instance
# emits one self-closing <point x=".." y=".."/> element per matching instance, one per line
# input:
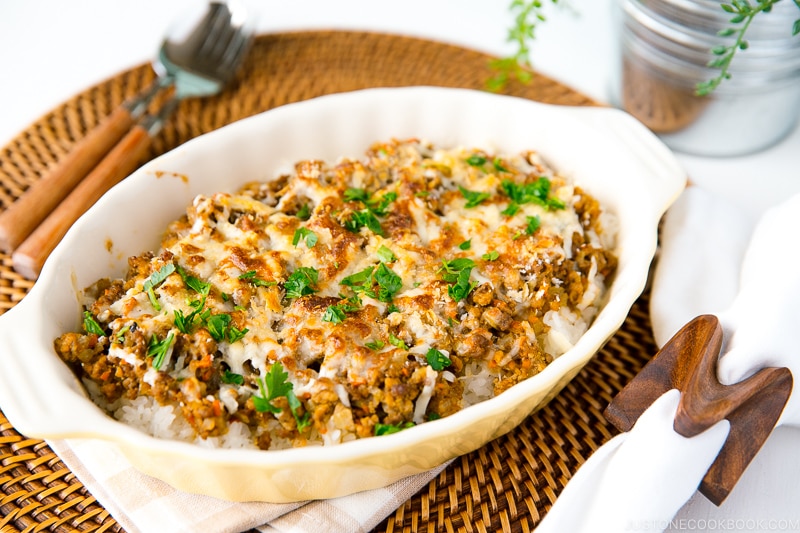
<point x="688" y="362"/>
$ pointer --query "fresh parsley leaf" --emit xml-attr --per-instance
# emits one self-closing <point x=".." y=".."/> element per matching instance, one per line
<point x="334" y="314"/>
<point x="490" y="256"/>
<point x="375" y="345"/>
<point x="364" y="219"/>
<point x="304" y="213"/>
<point x="451" y="269"/>
<point x="473" y="198"/>
<point x="511" y="210"/>
<point x="217" y="325"/>
<point x="397" y="342"/>
<point x="437" y="360"/>
<point x="537" y="192"/>
<point x="389" y="283"/>
<point x="232" y="378"/>
<point x="392" y="309"/>
<point x="158" y="349"/>
<point x="251" y="276"/>
<point x="354" y="194"/>
<point x="381" y="206"/>
<point x="196" y="284"/>
<point x="476" y="160"/>
<point x="235" y="334"/>
<point x="466" y="245"/>
<point x="90" y="325"/>
<point x="388" y="429"/>
<point x="294" y="404"/>
<point x="386" y="255"/>
<point x="300" y="282"/>
<point x="156" y="279"/>
<point x="273" y="385"/>
<point x="304" y="234"/>
<point x="359" y="279"/>
<point x="533" y="225"/>
<point x="463" y="286"/>
<point x="498" y="165"/>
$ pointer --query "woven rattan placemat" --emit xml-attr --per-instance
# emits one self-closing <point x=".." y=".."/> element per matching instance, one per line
<point x="509" y="484"/>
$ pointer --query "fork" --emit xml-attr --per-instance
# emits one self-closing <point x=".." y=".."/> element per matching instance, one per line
<point x="201" y="65"/>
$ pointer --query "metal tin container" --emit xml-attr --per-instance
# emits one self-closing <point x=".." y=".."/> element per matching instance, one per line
<point x="665" y="46"/>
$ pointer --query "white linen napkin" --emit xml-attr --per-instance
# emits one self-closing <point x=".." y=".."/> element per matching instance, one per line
<point x="143" y="504"/>
<point x="714" y="261"/>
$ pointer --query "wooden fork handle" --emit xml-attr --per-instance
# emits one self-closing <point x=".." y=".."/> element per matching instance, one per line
<point x="20" y="219"/>
<point x="28" y="259"/>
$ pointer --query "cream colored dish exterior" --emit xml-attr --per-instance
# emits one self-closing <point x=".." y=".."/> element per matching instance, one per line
<point x="604" y="150"/>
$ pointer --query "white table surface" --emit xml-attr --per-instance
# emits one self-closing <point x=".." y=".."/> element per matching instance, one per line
<point x="51" y="49"/>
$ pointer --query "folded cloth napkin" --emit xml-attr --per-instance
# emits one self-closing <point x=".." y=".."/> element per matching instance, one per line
<point x="713" y="260"/>
<point x="142" y="504"/>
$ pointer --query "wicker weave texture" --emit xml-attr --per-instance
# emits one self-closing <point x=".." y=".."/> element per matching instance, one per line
<point x="509" y="484"/>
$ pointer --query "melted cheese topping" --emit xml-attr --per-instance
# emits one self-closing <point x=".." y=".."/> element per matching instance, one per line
<point x="390" y="290"/>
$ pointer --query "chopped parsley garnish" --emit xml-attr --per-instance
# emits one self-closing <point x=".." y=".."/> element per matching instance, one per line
<point x="304" y="234"/>
<point x="304" y="213"/>
<point x="221" y="328"/>
<point x="196" y="284"/>
<point x="274" y="385"/>
<point x="490" y="256"/>
<point x="199" y="315"/>
<point x="232" y="378"/>
<point x="473" y="198"/>
<point x="451" y="269"/>
<point x="476" y="160"/>
<point x="457" y="272"/>
<point x="336" y="314"/>
<point x="388" y="282"/>
<point x="90" y="325"/>
<point x="392" y="309"/>
<point x="158" y="349"/>
<point x="360" y="281"/>
<point x="368" y="217"/>
<point x="251" y="276"/>
<point x="300" y="282"/>
<point x="498" y="165"/>
<point x="386" y="255"/>
<point x="397" y="342"/>
<point x="388" y="429"/>
<point x="375" y="345"/>
<point x="364" y="219"/>
<point x="156" y="279"/>
<point x="537" y="192"/>
<point x="533" y="225"/>
<point x="466" y="245"/>
<point x="437" y="360"/>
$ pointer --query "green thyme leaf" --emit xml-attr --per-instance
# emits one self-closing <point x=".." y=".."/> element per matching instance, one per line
<point x="437" y="360"/>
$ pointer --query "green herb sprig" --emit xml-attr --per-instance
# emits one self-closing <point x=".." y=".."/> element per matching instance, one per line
<point x="744" y="12"/>
<point x="528" y="14"/>
<point x="274" y="385"/>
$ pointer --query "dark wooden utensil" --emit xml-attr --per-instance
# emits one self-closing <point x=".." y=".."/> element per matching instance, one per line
<point x="688" y="362"/>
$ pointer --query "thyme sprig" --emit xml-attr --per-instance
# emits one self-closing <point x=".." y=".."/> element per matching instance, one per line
<point x="528" y="14"/>
<point x="744" y="12"/>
